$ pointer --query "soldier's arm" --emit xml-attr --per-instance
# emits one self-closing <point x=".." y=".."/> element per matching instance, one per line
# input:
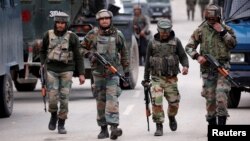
<point x="182" y="55"/>
<point x="123" y="52"/>
<point x="229" y="37"/>
<point x="87" y="44"/>
<point x="44" y="48"/>
<point x="76" y="51"/>
<point x="192" y="44"/>
<point x="147" y="63"/>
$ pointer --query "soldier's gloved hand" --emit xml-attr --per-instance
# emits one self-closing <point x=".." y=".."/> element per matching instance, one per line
<point x="145" y="83"/>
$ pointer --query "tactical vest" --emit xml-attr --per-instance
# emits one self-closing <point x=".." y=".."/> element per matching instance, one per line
<point x="164" y="60"/>
<point x="58" y="49"/>
<point x="107" y="47"/>
<point x="212" y="43"/>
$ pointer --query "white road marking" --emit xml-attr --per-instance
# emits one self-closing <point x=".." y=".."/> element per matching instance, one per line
<point x="128" y="109"/>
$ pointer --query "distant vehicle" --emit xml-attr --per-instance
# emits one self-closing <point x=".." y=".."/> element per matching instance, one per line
<point x="11" y="52"/>
<point x="160" y="9"/>
<point x="237" y="16"/>
<point x="128" y="6"/>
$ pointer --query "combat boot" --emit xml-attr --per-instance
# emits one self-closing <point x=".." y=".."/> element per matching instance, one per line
<point x="104" y="132"/>
<point x="222" y="120"/>
<point x="212" y="121"/>
<point x="115" y="132"/>
<point x="61" y="129"/>
<point x="172" y="123"/>
<point x="159" y="129"/>
<point x="53" y="121"/>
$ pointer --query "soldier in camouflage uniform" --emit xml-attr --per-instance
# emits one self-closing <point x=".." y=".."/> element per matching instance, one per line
<point x="190" y="8"/>
<point x="141" y="32"/>
<point x="60" y="54"/>
<point x="215" y="39"/>
<point x="164" y="54"/>
<point x="109" y="42"/>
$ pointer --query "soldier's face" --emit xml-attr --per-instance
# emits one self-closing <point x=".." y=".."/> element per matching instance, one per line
<point x="137" y="12"/>
<point x="60" y="26"/>
<point x="105" y="22"/>
<point x="164" y="35"/>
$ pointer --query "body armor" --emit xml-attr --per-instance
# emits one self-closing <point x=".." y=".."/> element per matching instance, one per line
<point x="58" y="49"/>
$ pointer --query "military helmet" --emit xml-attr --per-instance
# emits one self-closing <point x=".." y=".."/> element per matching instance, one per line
<point x="61" y="17"/>
<point x="137" y="7"/>
<point x="164" y="25"/>
<point x="104" y="13"/>
<point x="212" y="11"/>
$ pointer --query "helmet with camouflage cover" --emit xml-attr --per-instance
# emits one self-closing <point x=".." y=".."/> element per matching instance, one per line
<point x="104" y="13"/>
<point x="61" y="17"/>
<point x="212" y="11"/>
<point x="164" y="25"/>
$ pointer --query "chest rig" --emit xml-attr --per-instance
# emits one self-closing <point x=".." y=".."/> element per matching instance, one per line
<point x="164" y="60"/>
<point x="107" y="47"/>
<point x="58" y="49"/>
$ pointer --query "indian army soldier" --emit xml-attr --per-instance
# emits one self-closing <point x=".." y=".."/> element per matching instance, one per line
<point x="215" y="39"/>
<point x="60" y="54"/>
<point x="141" y="32"/>
<point x="109" y="42"/>
<point x="164" y="54"/>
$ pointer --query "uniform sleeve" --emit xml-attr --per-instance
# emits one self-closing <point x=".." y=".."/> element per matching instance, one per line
<point x="147" y="63"/>
<point x="182" y="55"/>
<point x="44" y="48"/>
<point x="123" y="52"/>
<point x="229" y="37"/>
<point x="77" y="56"/>
<point x="87" y="44"/>
<point x="192" y="44"/>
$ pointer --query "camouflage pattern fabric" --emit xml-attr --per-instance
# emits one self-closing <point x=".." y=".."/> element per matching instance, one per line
<point x="164" y="87"/>
<point x="214" y="89"/>
<point x="58" y="88"/>
<point x="215" y="86"/>
<point x="112" y="47"/>
<point x="107" y="91"/>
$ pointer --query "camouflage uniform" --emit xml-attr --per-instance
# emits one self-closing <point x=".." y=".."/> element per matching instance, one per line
<point x="162" y="63"/>
<point x="215" y="86"/>
<point x="60" y="54"/>
<point x="111" y="45"/>
<point x="190" y="8"/>
<point x="141" y="24"/>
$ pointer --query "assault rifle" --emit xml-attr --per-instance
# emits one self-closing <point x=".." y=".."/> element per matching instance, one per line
<point x="220" y="69"/>
<point x="107" y="65"/>
<point x="43" y="82"/>
<point x="147" y="98"/>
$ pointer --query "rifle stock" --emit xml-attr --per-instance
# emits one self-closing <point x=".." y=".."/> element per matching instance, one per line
<point x="220" y="69"/>
<point x="108" y="65"/>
